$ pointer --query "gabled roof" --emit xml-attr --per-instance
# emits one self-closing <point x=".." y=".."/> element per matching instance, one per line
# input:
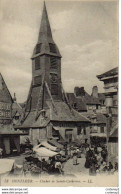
<point x="100" y="118"/>
<point x="5" y="95"/>
<point x="101" y="96"/>
<point x="111" y="72"/>
<point x="61" y="112"/>
<point x="9" y="130"/>
<point x="90" y="99"/>
<point x="31" y="122"/>
<point x="80" y="104"/>
<point x="16" y="108"/>
<point x="64" y="113"/>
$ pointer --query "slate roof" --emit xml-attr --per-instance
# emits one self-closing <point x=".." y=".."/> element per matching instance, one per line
<point x="80" y="104"/>
<point x="16" y="108"/>
<point x="64" y="113"/>
<point x="100" y="118"/>
<point x="61" y="112"/>
<point x="5" y="95"/>
<point x="45" y="37"/>
<point x="31" y="122"/>
<point x="88" y="99"/>
<point x="111" y="72"/>
<point x="82" y="101"/>
<point x="9" y="130"/>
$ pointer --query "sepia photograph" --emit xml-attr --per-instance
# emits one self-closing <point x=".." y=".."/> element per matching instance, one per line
<point x="59" y="93"/>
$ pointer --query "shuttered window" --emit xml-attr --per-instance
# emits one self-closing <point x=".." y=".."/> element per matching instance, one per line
<point x="102" y="130"/>
<point x="54" y="89"/>
<point x="37" y="63"/>
<point x="52" y="48"/>
<point x="53" y="62"/>
<point x="38" y="48"/>
<point x="37" y="80"/>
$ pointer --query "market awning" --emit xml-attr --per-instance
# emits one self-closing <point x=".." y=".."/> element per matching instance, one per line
<point x="44" y="152"/>
<point x="56" y="128"/>
<point x="46" y="145"/>
<point x="6" y="165"/>
<point x="55" y="143"/>
<point x="98" y="135"/>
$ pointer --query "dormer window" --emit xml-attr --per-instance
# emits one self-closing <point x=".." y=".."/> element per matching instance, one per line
<point x="38" y="48"/>
<point x="52" y="48"/>
<point x="37" y="63"/>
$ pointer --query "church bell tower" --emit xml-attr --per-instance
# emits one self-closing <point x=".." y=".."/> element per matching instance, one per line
<point x="46" y="60"/>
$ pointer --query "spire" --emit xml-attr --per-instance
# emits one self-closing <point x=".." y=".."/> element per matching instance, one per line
<point x="45" y="39"/>
<point x="45" y="33"/>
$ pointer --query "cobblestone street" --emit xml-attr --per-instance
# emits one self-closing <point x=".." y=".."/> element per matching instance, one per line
<point x="70" y="169"/>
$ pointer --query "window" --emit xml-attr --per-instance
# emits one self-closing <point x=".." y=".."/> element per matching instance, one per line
<point x="38" y="48"/>
<point x="75" y="105"/>
<point x="68" y="134"/>
<point x="37" y="63"/>
<point x="115" y="103"/>
<point x="84" y="131"/>
<point x="53" y="62"/>
<point x="37" y="80"/>
<point x="54" y="89"/>
<point x="52" y="48"/>
<point x="97" y="106"/>
<point x="101" y="129"/>
<point x="79" y="130"/>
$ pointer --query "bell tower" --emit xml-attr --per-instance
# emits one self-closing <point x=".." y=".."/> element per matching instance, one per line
<point x="46" y="59"/>
<point x="46" y="69"/>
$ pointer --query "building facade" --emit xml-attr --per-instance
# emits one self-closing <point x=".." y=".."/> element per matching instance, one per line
<point x="92" y="107"/>
<point x="9" y="138"/>
<point x="110" y="80"/>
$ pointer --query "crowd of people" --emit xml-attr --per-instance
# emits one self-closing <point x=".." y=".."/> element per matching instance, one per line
<point x="97" y="161"/>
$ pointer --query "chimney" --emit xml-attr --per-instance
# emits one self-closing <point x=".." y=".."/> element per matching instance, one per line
<point x="79" y="91"/>
<point x="95" y="91"/>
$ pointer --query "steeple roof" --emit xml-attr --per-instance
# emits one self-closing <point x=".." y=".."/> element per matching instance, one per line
<point x="5" y="95"/>
<point x="45" y="30"/>
<point x="45" y="42"/>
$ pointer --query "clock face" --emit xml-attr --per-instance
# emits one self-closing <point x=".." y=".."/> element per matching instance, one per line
<point x="53" y="78"/>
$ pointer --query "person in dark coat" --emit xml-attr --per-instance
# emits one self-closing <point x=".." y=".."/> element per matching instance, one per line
<point x="92" y="166"/>
<point x="116" y="166"/>
<point x="87" y="156"/>
<point x="110" y="167"/>
<point x="104" y="154"/>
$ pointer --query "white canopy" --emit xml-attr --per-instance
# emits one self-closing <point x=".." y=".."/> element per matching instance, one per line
<point x="46" y="145"/>
<point x="6" y="165"/>
<point x="44" y="152"/>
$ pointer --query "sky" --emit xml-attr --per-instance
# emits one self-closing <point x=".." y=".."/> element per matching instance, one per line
<point x="86" y="33"/>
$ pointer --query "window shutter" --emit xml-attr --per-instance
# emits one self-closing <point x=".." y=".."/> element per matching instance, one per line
<point x="37" y="63"/>
<point x="52" y="48"/>
<point x="53" y="62"/>
<point x="37" y="80"/>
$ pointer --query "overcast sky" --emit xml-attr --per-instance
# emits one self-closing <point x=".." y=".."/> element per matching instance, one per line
<point x="85" y="32"/>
